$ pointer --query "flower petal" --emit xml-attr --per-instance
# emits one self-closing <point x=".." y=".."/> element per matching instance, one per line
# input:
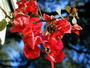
<point x="31" y="53"/>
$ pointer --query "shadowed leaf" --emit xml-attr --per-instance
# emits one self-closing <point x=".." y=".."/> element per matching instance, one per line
<point x="68" y="9"/>
<point x="3" y="24"/>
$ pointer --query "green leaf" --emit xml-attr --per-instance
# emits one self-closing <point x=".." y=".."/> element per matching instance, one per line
<point x="3" y="24"/>
<point x="58" y="10"/>
<point x="68" y="9"/>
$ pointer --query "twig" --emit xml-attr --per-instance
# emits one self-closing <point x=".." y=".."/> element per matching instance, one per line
<point x="47" y="20"/>
<point x="39" y="10"/>
<point x="5" y="13"/>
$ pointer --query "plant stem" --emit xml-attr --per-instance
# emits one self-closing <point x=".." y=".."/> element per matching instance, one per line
<point x="47" y="20"/>
<point x="5" y="13"/>
<point x="39" y="10"/>
<point x="52" y="64"/>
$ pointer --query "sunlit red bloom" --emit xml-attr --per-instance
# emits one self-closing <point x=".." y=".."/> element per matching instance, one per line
<point x="21" y="3"/>
<point x="31" y="53"/>
<point x="76" y="28"/>
<point x="58" y="34"/>
<point x="31" y="49"/>
<point x="32" y="33"/>
<point x="31" y="6"/>
<point x="33" y="27"/>
<point x="33" y="37"/>
<point x="28" y="6"/>
<point x="54" y="49"/>
<point x="19" y="11"/>
<point x="33" y="40"/>
<point x="47" y="17"/>
<point x="54" y="44"/>
<point x="62" y="25"/>
<point x="20" y="22"/>
<point x="57" y="29"/>
<point x="30" y="30"/>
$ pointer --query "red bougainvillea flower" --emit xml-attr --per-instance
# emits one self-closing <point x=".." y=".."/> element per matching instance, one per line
<point x="31" y="53"/>
<point x="47" y="17"/>
<point x="28" y="6"/>
<point x="53" y="48"/>
<point x="33" y="27"/>
<point x="20" y="22"/>
<point x="33" y="33"/>
<point x="31" y="49"/>
<point x="33" y="37"/>
<point x="31" y="6"/>
<point x="55" y="44"/>
<point x="76" y="28"/>
<point x="19" y="11"/>
<point x="56" y="30"/>
<point x="58" y="34"/>
<point x="21" y="3"/>
<point x="33" y="40"/>
<point x="62" y="25"/>
<point x="25" y="24"/>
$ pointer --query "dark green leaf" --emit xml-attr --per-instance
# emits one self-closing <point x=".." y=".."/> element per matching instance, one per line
<point x="3" y="24"/>
<point x="68" y="9"/>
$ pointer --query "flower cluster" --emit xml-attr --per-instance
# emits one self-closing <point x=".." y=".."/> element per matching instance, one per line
<point x="28" y="25"/>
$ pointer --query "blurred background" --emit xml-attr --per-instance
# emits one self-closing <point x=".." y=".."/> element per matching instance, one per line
<point x="76" y="48"/>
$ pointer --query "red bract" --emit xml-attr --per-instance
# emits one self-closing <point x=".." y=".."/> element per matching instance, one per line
<point x="33" y="27"/>
<point x="53" y="48"/>
<point x="21" y="3"/>
<point x="66" y="29"/>
<point x="28" y="6"/>
<point x="56" y="30"/>
<point x="54" y="44"/>
<point x="32" y="33"/>
<point x="19" y="11"/>
<point x="57" y="34"/>
<point x="30" y="40"/>
<point x="47" y="17"/>
<point x="63" y="26"/>
<point x="20" y="22"/>
<point x="31" y="53"/>
<point x="76" y="28"/>
<point x="33" y="40"/>
<point x="31" y="6"/>
<point x="62" y="23"/>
